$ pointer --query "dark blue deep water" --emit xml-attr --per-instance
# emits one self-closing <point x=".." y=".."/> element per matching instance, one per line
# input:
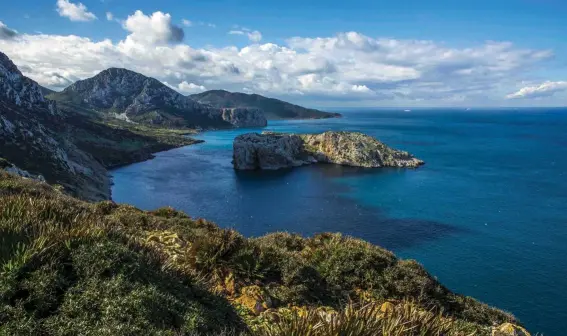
<point x="487" y="214"/>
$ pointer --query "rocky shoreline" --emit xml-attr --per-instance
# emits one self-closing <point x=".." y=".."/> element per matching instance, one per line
<point x="272" y="151"/>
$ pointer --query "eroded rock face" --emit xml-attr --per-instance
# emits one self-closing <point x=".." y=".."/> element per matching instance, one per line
<point x="13" y="169"/>
<point x="277" y="150"/>
<point x="268" y="151"/>
<point x="244" y="117"/>
<point x="356" y="149"/>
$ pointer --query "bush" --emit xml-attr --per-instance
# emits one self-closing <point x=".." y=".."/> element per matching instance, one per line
<point x="69" y="267"/>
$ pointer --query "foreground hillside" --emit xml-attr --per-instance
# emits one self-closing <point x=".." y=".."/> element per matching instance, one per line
<point x="274" y="109"/>
<point x="70" y="267"/>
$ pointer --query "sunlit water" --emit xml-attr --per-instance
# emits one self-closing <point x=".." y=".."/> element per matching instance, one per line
<point x="487" y="214"/>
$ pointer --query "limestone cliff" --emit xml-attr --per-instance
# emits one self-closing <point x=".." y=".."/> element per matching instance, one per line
<point x="277" y="150"/>
<point x="244" y="117"/>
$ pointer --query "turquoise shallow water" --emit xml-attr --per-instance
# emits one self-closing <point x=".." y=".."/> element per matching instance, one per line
<point x="487" y="214"/>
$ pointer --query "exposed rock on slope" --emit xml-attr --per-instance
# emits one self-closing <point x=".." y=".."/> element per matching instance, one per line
<point x="274" y="109"/>
<point x="244" y="117"/>
<point x="146" y="100"/>
<point x="13" y="169"/>
<point x="32" y="136"/>
<point x="277" y="150"/>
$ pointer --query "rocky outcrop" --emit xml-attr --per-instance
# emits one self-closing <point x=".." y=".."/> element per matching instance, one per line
<point x="509" y="329"/>
<point x="33" y="136"/>
<point x="147" y="100"/>
<point x="278" y="150"/>
<point x="269" y="151"/>
<point x="13" y="169"/>
<point x="356" y="149"/>
<point x="244" y="117"/>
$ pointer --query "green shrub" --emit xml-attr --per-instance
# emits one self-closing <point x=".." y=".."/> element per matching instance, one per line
<point x="69" y="267"/>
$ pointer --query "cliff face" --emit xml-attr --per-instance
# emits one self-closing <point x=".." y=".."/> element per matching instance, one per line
<point x="33" y="137"/>
<point x="274" y="109"/>
<point x="269" y="151"/>
<point x="244" y="117"/>
<point x="135" y="97"/>
<point x="356" y="149"/>
<point x="276" y="151"/>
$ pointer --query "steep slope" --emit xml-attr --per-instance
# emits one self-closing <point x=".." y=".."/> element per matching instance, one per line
<point x="74" y="268"/>
<point x="33" y="137"/>
<point x="274" y="109"/>
<point x="135" y="97"/>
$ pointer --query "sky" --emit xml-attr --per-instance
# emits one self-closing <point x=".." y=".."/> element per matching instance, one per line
<point x="333" y="53"/>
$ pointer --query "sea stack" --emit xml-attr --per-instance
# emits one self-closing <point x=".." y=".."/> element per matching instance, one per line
<point x="273" y="151"/>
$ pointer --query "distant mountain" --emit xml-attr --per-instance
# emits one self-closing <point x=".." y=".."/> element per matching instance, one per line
<point x="274" y="109"/>
<point x="33" y="138"/>
<point x="132" y="96"/>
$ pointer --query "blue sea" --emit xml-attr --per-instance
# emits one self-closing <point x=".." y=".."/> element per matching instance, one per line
<point x="487" y="214"/>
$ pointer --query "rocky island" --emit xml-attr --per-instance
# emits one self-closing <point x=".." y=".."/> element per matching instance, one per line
<point x="273" y="151"/>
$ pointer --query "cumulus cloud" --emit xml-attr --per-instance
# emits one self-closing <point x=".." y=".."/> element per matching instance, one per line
<point x="545" y="89"/>
<point x="154" y="29"/>
<point x="187" y="88"/>
<point x="109" y="16"/>
<point x="75" y="12"/>
<point x="187" y="23"/>
<point x="253" y="35"/>
<point x="6" y="33"/>
<point x="348" y="67"/>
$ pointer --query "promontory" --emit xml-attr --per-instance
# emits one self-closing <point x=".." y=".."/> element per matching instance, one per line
<point x="272" y="151"/>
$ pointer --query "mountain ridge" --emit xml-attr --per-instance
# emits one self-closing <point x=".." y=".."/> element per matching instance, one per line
<point x="274" y="109"/>
<point x="133" y="96"/>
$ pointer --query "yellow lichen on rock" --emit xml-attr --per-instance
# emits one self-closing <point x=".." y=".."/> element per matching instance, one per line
<point x="255" y="299"/>
<point x="387" y="307"/>
<point x="509" y="329"/>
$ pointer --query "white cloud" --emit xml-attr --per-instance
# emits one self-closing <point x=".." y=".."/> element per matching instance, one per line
<point x="254" y="36"/>
<point x="187" y="23"/>
<point x="154" y="29"/>
<point x="75" y="12"/>
<point x="545" y="89"/>
<point x="6" y="33"/>
<point x="187" y="88"/>
<point x="348" y="67"/>
<point x="109" y="16"/>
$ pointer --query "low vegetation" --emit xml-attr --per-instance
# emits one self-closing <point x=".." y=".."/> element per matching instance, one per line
<point x="70" y="267"/>
<point x="114" y="142"/>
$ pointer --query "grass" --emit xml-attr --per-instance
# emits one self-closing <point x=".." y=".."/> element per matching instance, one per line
<point x="114" y="142"/>
<point x="70" y="267"/>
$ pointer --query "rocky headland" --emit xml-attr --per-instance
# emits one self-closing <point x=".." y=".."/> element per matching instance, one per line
<point x="273" y="151"/>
